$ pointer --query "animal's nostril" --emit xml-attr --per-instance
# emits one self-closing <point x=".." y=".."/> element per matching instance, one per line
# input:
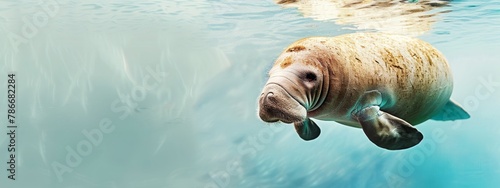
<point x="270" y="96"/>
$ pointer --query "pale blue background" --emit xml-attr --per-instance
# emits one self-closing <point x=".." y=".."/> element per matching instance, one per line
<point x="196" y="126"/>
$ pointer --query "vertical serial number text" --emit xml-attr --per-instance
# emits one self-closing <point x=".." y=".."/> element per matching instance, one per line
<point x="11" y="98"/>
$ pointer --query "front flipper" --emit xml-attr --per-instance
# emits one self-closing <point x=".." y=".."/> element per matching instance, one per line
<point x="307" y="130"/>
<point x="387" y="131"/>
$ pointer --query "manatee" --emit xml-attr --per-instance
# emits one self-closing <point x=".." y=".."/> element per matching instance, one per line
<point x="385" y="84"/>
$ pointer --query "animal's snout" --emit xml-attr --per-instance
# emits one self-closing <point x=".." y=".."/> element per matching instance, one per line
<point x="275" y="104"/>
<point x="267" y="107"/>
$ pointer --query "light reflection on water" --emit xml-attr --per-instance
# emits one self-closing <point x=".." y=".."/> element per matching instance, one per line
<point x="188" y="74"/>
<point x="391" y="16"/>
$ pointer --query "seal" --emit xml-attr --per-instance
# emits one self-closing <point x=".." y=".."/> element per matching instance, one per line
<point x="382" y="83"/>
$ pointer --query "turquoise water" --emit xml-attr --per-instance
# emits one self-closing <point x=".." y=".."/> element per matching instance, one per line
<point x="164" y="94"/>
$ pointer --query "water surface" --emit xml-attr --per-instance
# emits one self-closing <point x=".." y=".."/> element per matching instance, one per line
<point x="178" y="81"/>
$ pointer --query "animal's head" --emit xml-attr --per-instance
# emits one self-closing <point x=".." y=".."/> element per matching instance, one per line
<point x="298" y="84"/>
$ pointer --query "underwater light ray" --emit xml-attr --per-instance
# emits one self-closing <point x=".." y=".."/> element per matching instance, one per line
<point x="41" y="148"/>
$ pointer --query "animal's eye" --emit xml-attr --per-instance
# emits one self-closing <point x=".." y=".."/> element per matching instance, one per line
<point x="311" y="77"/>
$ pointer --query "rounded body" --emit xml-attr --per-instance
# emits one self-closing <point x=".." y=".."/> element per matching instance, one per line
<point x="413" y="77"/>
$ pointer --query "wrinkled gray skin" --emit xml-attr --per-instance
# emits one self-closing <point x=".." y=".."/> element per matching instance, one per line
<point x="381" y="83"/>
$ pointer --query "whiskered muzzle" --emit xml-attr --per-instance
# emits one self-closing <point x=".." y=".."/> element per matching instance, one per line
<point x="275" y="104"/>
